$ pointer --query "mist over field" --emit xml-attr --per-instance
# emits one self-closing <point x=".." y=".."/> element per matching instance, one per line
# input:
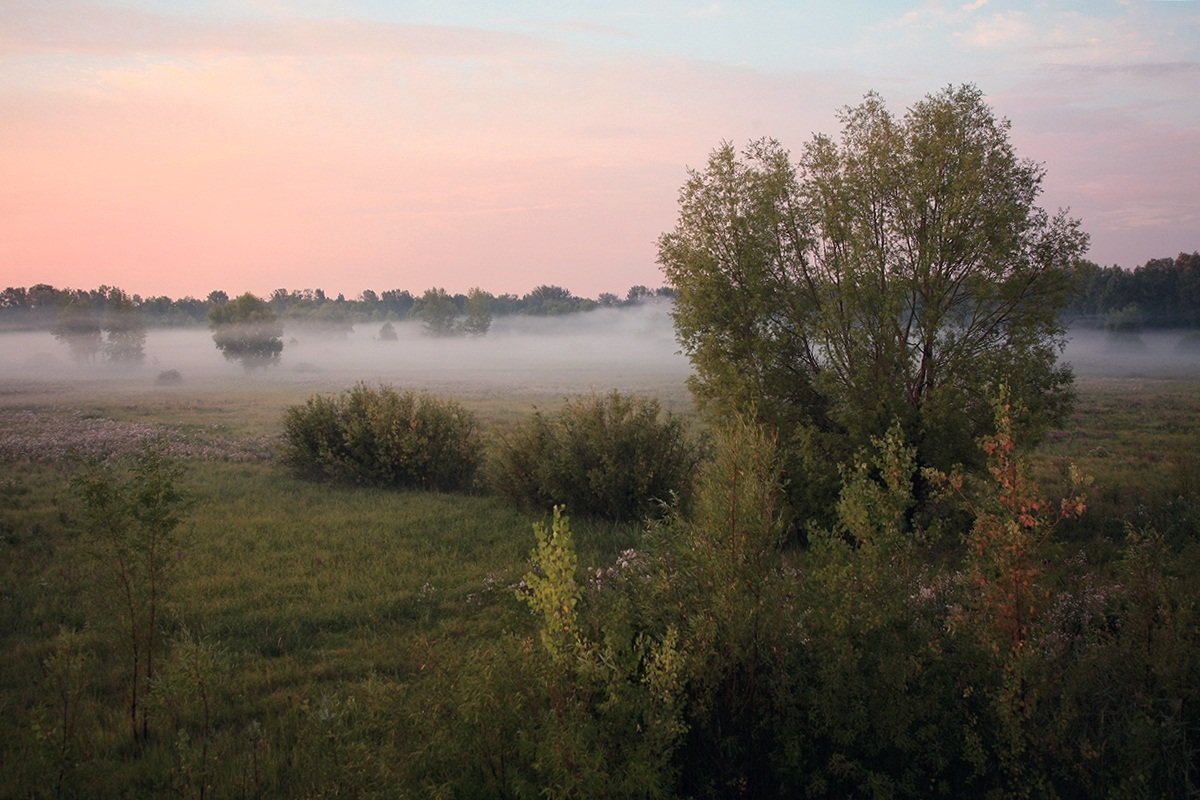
<point x="1154" y="353"/>
<point x="632" y="349"/>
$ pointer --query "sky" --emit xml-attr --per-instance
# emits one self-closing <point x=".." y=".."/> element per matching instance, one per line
<point x="180" y="147"/>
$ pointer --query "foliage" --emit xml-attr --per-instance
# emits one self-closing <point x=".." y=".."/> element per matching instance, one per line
<point x="368" y="642"/>
<point x="609" y="456"/>
<point x="387" y="332"/>
<point x="245" y="329"/>
<point x="78" y="328"/>
<point x="125" y="330"/>
<point x="1165" y="291"/>
<point x="611" y="717"/>
<point x="437" y="311"/>
<point x="130" y="516"/>
<point x="381" y="437"/>
<point x="479" y="312"/>
<point x="897" y="274"/>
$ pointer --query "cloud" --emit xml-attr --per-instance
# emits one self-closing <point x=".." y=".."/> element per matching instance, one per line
<point x="999" y="29"/>
<point x="77" y="27"/>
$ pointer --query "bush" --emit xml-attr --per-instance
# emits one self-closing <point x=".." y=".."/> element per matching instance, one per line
<point x="381" y="437"/>
<point x="610" y="457"/>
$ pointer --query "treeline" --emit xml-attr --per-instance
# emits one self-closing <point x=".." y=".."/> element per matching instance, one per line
<point x="1162" y="293"/>
<point x="40" y="306"/>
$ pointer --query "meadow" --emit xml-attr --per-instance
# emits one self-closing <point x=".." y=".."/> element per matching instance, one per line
<point x="318" y="632"/>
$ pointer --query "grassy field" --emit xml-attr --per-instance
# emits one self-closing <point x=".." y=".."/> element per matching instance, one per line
<point x="319" y="624"/>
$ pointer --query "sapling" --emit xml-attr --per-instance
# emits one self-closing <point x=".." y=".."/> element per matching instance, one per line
<point x="130" y="515"/>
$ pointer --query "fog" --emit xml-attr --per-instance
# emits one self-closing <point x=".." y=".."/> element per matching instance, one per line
<point x="632" y="349"/>
<point x="1148" y="354"/>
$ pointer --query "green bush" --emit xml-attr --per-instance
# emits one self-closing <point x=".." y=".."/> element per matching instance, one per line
<point x="381" y="437"/>
<point x="610" y="456"/>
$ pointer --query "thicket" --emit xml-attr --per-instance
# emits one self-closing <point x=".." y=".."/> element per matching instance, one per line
<point x="382" y="437"/>
<point x="882" y="661"/>
<point x="613" y="456"/>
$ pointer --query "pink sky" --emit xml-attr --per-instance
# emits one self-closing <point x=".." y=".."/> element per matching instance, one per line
<point x="257" y="145"/>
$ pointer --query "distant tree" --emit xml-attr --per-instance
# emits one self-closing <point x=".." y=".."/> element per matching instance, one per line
<point x="78" y="328"/>
<point x="217" y="298"/>
<point x="1129" y="319"/>
<point x="124" y="328"/>
<point x="549" y="300"/>
<point x="506" y="304"/>
<point x="479" y="312"/>
<point x="332" y="320"/>
<point x="437" y="311"/>
<point x="898" y="274"/>
<point x="637" y="294"/>
<point x="397" y="302"/>
<point x="608" y="299"/>
<point x="246" y="330"/>
<point x="387" y="333"/>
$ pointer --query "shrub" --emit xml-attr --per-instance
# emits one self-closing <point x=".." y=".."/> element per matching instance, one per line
<point x="381" y="437"/>
<point x="169" y="377"/>
<point x="609" y="456"/>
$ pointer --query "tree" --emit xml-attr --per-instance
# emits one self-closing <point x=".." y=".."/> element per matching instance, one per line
<point x="246" y="330"/>
<point x="437" y="311"/>
<point x="897" y="274"/>
<point x="479" y="312"/>
<point x="125" y="330"/>
<point x="77" y="327"/>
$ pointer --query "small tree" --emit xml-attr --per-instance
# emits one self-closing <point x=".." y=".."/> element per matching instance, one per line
<point x="246" y="330"/>
<point x="130" y="516"/>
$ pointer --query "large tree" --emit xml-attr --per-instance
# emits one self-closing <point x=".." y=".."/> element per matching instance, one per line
<point x="898" y="273"/>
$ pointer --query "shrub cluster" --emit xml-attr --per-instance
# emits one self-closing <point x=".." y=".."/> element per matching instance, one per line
<point x="381" y="437"/>
<point x="611" y="456"/>
<point x="882" y="662"/>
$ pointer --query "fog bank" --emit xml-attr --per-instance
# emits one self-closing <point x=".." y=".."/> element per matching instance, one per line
<point x="629" y="348"/>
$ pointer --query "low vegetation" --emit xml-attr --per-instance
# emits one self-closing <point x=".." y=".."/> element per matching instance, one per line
<point x="612" y="456"/>
<point x="382" y="437"/>
<point x="322" y="637"/>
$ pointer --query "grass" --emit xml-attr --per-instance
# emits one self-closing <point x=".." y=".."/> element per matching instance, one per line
<point x="1139" y="439"/>
<point x="333" y="614"/>
<point x="311" y="592"/>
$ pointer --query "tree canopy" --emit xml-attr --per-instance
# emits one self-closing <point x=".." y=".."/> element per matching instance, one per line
<point x="898" y="273"/>
<point x="245" y="329"/>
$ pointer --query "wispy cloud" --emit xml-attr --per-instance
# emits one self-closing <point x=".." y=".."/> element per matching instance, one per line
<point x="88" y="28"/>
